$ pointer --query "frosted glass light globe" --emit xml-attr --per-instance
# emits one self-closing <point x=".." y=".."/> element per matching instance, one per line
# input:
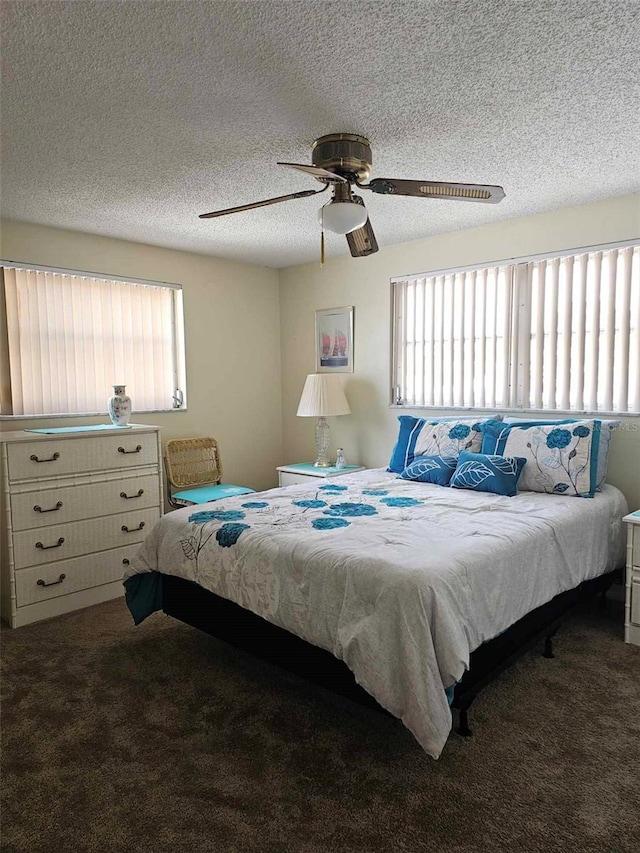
<point x="342" y="217"/>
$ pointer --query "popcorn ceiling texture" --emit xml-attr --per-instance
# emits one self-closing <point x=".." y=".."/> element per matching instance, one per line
<point x="127" y="119"/>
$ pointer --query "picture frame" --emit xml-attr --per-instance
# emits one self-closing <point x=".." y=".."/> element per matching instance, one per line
<point x="334" y="340"/>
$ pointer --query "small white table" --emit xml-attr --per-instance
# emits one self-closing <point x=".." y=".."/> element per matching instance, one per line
<point x="632" y="599"/>
<point x="306" y="472"/>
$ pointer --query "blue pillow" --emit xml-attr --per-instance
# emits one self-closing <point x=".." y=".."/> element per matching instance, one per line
<point x="410" y="428"/>
<point x="483" y="472"/>
<point x="431" y="469"/>
<point x="410" y="433"/>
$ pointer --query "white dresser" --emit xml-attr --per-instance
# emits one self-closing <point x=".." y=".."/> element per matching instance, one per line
<point x="632" y="605"/>
<point x="75" y="507"/>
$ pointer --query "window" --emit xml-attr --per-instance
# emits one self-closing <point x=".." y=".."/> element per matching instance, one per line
<point x="67" y="337"/>
<point x="554" y="333"/>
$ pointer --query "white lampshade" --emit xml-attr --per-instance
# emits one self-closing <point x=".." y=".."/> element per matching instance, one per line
<point x="322" y="396"/>
<point x="342" y="217"/>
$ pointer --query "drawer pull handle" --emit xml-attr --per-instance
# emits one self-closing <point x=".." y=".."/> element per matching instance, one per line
<point x="130" y="497"/>
<point x="52" y="583"/>
<point x="53" y="458"/>
<point x="137" y="450"/>
<point x="51" y="509"/>
<point x="126" y="529"/>
<point x="47" y="547"/>
<point x="125" y="562"/>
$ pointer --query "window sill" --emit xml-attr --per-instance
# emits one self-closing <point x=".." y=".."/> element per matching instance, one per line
<point x="539" y="413"/>
<point x="134" y="414"/>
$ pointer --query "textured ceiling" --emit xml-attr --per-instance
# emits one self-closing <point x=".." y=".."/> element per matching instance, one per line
<point x="129" y="118"/>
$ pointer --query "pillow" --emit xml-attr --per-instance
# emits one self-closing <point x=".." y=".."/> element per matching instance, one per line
<point x="483" y="472"/>
<point x="604" y="445"/>
<point x="404" y="447"/>
<point x="431" y="469"/>
<point x="430" y="437"/>
<point x="561" y="459"/>
<point x="606" y="428"/>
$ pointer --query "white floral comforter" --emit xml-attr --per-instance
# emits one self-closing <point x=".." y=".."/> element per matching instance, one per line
<point x="401" y="580"/>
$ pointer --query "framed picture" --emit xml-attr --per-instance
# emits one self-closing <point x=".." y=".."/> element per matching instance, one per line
<point x="334" y="340"/>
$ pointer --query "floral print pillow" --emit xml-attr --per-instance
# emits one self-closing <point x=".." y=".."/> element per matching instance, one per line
<point x="414" y="432"/>
<point x="604" y="439"/>
<point x="450" y="439"/>
<point x="562" y="459"/>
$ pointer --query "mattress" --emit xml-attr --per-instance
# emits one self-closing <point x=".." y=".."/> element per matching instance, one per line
<point x="400" y="580"/>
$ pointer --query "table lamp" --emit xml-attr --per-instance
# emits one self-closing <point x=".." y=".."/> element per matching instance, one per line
<point x="322" y="397"/>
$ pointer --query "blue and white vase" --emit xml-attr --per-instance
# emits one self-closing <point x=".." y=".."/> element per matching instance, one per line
<point x="119" y="406"/>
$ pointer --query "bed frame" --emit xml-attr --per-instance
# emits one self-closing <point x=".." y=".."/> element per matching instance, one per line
<point x="227" y="621"/>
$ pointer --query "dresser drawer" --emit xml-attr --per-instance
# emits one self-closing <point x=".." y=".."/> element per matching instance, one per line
<point x="635" y="601"/>
<point x="43" y="582"/>
<point x="73" y="503"/>
<point x="35" y="460"/>
<point x="63" y="541"/>
<point x="288" y="479"/>
<point x="635" y="551"/>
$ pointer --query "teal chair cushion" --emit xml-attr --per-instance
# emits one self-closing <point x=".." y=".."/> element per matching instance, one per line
<point x="204" y="494"/>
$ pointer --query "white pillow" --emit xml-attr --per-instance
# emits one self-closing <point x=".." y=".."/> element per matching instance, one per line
<point x="561" y="457"/>
<point x="606" y="428"/>
<point x="450" y="438"/>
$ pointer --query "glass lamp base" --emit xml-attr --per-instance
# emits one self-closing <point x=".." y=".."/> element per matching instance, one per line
<point x="322" y="444"/>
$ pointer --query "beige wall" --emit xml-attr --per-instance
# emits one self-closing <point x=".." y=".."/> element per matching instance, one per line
<point x="232" y="341"/>
<point x="240" y="327"/>
<point x="369" y="433"/>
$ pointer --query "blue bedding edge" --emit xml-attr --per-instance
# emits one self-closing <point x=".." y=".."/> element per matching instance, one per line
<point x="143" y="594"/>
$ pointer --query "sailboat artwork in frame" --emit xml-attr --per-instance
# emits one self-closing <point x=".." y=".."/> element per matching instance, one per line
<point x="334" y="340"/>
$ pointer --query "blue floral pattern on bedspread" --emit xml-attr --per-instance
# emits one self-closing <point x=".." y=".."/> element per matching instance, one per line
<point x="351" y="509"/>
<point x="229" y="534"/>
<point x="226" y="527"/>
<point x="329" y="523"/>
<point x="400" y="502"/>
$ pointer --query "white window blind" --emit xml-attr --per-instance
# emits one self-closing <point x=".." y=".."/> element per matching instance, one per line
<point x="560" y="333"/>
<point x="70" y="337"/>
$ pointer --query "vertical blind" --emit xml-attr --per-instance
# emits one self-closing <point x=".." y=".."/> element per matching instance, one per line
<point x="559" y="333"/>
<point x="70" y="338"/>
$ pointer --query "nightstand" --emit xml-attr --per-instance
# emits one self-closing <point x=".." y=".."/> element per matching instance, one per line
<point x="306" y="472"/>
<point x="632" y="602"/>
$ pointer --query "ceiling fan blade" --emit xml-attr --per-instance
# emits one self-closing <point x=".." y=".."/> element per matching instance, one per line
<point x="277" y="200"/>
<point x="317" y="172"/>
<point x="362" y="241"/>
<point x="436" y="189"/>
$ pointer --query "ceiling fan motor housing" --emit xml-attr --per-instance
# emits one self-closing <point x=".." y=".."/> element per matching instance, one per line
<point x="344" y="154"/>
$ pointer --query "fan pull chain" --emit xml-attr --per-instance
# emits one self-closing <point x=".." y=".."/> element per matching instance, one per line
<point x="322" y="236"/>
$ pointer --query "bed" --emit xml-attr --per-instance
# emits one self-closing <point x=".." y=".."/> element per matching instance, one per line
<point x="402" y="582"/>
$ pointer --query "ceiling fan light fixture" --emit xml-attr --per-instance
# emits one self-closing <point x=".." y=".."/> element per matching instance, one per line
<point x="342" y="162"/>
<point x="342" y="217"/>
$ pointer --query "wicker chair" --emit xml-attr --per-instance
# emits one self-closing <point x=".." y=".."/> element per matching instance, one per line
<point x="194" y="473"/>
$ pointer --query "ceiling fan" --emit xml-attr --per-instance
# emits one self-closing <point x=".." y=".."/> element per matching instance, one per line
<point x="342" y="160"/>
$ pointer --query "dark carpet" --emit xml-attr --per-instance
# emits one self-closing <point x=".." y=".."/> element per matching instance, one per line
<point x="160" y="738"/>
